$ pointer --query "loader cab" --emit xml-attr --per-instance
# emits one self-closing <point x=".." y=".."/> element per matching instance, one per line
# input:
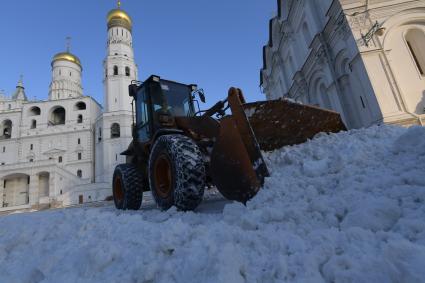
<point x="157" y="102"/>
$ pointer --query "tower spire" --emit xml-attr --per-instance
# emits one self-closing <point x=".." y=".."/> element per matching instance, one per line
<point x="20" y="90"/>
<point x="21" y="81"/>
<point x="119" y="4"/>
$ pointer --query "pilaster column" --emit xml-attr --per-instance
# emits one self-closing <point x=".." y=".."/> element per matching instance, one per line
<point x="33" y="190"/>
<point x="2" y="192"/>
<point x="52" y="185"/>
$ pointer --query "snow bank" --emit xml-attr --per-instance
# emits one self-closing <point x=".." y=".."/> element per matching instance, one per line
<point x="347" y="207"/>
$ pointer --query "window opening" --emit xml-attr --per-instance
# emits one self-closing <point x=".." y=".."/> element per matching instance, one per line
<point x="33" y="124"/>
<point x="115" y="131"/>
<point x="361" y="99"/>
<point x="57" y="117"/>
<point x="415" y="58"/>
<point x="7" y="130"/>
<point x="80" y="106"/>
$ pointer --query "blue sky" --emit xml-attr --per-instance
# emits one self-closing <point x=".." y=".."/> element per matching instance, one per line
<point x="216" y="44"/>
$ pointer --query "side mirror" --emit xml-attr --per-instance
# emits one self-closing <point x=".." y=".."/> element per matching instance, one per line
<point x="132" y="90"/>
<point x="202" y="96"/>
<point x="200" y="93"/>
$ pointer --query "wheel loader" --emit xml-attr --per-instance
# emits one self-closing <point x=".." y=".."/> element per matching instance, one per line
<point x="178" y="151"/>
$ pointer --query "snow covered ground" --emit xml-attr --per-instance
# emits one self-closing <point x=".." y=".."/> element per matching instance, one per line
<point x="347" y="207"/>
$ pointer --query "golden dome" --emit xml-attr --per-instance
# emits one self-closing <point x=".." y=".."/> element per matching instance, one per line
<point x="118" y="17"/>
<point x="66" y="56"/>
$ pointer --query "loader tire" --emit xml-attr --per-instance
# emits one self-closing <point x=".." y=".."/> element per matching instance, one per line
<point x="176" y="173"/>
<point x="127" y="187"/>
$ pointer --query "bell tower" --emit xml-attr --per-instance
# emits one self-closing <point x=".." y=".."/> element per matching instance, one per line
<point x="66" y="75"/>
<point x="114" y="130"/>
<point x="119" y="66"/>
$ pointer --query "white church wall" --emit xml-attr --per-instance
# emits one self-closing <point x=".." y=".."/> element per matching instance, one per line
<point x="336" y="70"/>
<point x="391" y="68"/>
<point x="61" y="148"/>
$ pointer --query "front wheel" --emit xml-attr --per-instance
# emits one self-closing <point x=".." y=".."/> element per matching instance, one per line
<point x="176" y="173"/>
<point x="127" y="187"/>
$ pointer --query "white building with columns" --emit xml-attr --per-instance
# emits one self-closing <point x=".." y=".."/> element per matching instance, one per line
<point x="362" y="58"/>
<point x="63" y="150"/>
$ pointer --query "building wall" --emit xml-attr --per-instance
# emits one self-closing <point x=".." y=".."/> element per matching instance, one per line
<point x="398" y="83"/>
<point x="58" y="153"/>
<point x="316" y="54"/>
<point x="51" y="156"/>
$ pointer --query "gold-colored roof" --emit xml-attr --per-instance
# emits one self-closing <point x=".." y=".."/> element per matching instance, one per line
<point x="66" y="56"/>
<point x="118" y="17"/>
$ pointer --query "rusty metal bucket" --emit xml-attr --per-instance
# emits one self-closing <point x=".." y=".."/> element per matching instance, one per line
<point x="279" y="123"/>
<point x="237" y="166"/>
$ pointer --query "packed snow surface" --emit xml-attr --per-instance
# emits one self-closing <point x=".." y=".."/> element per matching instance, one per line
<point x="347" y="207"/>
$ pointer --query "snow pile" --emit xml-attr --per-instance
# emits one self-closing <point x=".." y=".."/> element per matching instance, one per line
<point x="347" y="207"/>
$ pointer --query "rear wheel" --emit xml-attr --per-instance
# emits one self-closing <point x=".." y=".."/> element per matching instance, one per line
<point x="176" y="172"/>
<point x="127" y="187"/>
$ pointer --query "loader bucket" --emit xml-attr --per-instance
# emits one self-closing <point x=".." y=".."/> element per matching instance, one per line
<point x="237" y="167"/>
<point x="278" y="123"/>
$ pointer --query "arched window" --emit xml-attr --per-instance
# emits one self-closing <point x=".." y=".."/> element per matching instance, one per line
<point x="34" y="111"/>
<point x="127" y="71"/>
<point x="415" y="40"/>
<point x="115" y="131"/>
<point x="80" y="106"/>
<point x="33" y="124"/>
<point x="325" y="97"/>
<point x="80" y="119"/>
<point x="115" y="70"/>
<point x="6" y="129"/>
<point x="79" y="173"/>
<point x="57" y="116"/>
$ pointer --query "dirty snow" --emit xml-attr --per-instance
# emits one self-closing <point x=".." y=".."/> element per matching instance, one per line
<point x="346" y="207"/>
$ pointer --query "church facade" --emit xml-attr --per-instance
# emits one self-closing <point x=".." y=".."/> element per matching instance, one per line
<point x="62" y="151"/>
<point x="364" y="59"/>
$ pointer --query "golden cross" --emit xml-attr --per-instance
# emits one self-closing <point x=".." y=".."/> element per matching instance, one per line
<point x="119" y="4"/>
<point x="68" y="44"/>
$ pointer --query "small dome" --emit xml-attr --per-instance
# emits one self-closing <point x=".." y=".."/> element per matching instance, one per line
<point x="119" y="18"/>
<point x="66" y="56"/>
